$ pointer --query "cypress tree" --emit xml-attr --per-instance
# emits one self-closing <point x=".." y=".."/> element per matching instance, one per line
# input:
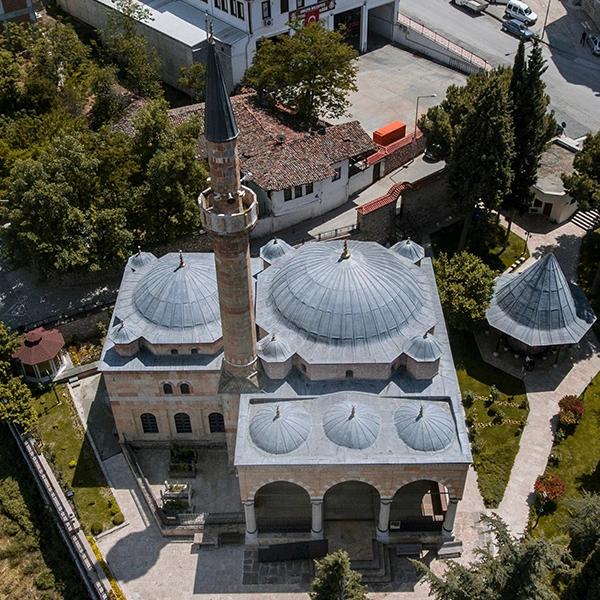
<point x="335" y="580"/>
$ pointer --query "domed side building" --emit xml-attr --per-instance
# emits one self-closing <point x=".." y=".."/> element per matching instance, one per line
<point x="324" y="370"/>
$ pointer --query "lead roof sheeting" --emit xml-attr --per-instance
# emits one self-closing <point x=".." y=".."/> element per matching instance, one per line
<point x="409" y="250"/>
<point x="539" y="307"/>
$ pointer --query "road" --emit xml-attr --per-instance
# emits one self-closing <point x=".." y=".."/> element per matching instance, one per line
<point x="573" y="74"/>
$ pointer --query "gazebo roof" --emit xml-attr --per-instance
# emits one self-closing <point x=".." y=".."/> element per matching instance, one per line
<point x="538" y="306"/>
<point x="39" y="345"/>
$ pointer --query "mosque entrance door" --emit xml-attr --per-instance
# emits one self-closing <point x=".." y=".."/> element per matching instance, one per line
<point x="351" y="501"/>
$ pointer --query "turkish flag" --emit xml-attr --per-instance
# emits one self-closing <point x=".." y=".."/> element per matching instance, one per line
<point x="311" y="16"/>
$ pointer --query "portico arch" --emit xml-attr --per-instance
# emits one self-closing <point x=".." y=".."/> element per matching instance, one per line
<point x="351" y="501"/>
<point x="282" y="506"/>
<point x="419" y="506"/>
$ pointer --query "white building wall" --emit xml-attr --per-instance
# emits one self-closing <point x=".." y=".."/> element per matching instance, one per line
<point x="563" y="206"/>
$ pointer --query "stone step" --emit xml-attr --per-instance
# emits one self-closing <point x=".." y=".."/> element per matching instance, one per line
<point x="377" y="570"/>
<point x="450" y="550"/>
<point x="586" y="219"/>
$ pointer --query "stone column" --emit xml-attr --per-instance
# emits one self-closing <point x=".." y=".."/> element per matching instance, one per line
<point x="316" y="529"/>
<point x="364" y="27"/>
<point x="383" y="525"/>
<point x="251" y="529"/>
<point x="448" y="525"/>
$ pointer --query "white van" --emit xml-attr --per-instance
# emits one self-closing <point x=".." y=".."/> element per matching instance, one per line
<point x="520" y="11"/>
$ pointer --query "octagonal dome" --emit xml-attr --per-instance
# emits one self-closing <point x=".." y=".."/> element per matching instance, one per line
<point x="178" y="294"/>
<point x="351" y="425"/>
<point x="121" y="333"/>
<point x="275" y="249"/>
<point x="274" y="348"/>
<point x="424" y="348"/>
<point x="409" y="250"/>
<point x="346" y="292"/>
<point x="280" y="429"/>
<point x="141" y="259"/>
<point x="426" y="427"/>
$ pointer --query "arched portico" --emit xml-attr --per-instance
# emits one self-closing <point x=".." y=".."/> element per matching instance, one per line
<point x="282" y="506"/>
<point x="351" y="501"/>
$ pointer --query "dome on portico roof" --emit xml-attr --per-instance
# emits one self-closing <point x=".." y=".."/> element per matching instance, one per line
<point x="141" y="259"/>
<point x="351" y="425"/>
<point x="275" y="249"/>
<point x="273" y="348"/>
<point x="120" y="333"/>
<point x="426" y="427"/>
<point x="280" y="428"/>
<point x="424" y="348"/>
<point x="409" y="250"/>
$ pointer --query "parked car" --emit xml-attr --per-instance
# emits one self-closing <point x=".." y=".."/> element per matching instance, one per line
<point x="517" y="28"/>
<point x="593" y="41"/>
<point x="475" y="6"/>
<point x="515" y="9"/>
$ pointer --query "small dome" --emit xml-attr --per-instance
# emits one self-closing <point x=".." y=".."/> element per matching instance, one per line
<point x="351" y="425"/>
<point x="280" y="429"/>
<point x="346" y="293"/>
<point x="424" y="348"/>
<point x="409" y="250"/>
<point x="141" y="259"/>
<point x="178" y="294"/>
<point x="122" y="334"/>
<point x="273" y="349"/>
<point x="424" y="427"/>
<point x="275" y="249"/>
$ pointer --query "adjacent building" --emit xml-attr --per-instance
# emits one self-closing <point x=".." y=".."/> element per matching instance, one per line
<point x="17" y="10"/>
<point x="178" y="28"/>
<point x="41" y="355"/>
<point x="326" y="369"/>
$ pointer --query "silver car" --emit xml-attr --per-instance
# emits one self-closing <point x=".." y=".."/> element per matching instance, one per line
<point x="593" y="41"/>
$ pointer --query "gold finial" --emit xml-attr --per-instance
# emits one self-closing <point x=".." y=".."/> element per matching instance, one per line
<point x="408" y="240"/>
<point x="353" y="412"/>
<point x="209" y="29"/>
<point x="345" y="251"/>
<point x="139" y="250"/>
<point x="420" y="415"/>
<point x="181" y="261"/>
<point x="277" y="413"/>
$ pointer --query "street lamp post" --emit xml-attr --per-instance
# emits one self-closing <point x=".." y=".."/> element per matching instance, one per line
<point x="546" y="20"/>
<point x="417" y="111"/>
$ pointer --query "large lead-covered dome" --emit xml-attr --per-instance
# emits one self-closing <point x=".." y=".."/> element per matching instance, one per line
<point x="346" y="291"/>
<point x="176" y="293"/>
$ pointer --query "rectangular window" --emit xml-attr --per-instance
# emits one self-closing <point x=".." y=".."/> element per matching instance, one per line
<point x="338" y="173"/>
<point x="287" y="194"/>
<point x="284" y="6"/>
<point x="297" y="191"/>
<point x="266" y="9"/>
<point x="233" y="7"/>
<point x="240" y="10"/>
<point x="309" y="188"/>
<point x="300" y="3"/>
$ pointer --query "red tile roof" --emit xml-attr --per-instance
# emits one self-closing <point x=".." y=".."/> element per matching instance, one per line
<point x="39" y="345"/>
<point x="391" y="197"/>
<point x="277" y="152"/>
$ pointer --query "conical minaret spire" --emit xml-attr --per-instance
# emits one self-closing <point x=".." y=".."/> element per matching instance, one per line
<point x="229" y="212"/>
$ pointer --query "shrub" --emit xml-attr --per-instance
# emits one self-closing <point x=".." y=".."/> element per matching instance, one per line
<point x="554" y="458"/>
<point x="118" y="519"/>
<point x="44" y="580"/>
<point x="72" y="464"/>
<point x="571" y="410"/>
<point x="499" y="417"/>
<point x="549" y="487"/>
<point x="96" y="528"/>
<point x="469" y="398"/>
<point x="494" y="393"/>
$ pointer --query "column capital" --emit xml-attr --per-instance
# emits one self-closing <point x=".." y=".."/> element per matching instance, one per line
<point x="316" y="500"/>
<point x="248" y="502"/>
<point x="386" y="499"/>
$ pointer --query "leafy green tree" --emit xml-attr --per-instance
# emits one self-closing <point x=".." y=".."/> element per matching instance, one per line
<point x="533" y="126"/>
<point x="193" y="79"/>
<point x="310" y="72"/>
<point x="479" y="168"/>
<point x="522" y="569"/>
<point x="16" y="404"/>
<point x="10" y="78"/>
<point x="9" y="342"/>
<point x="583" y="525"/>
<point x="136" y="60"/>
<point x="584" y="583"/>
<point x="584" y="184"/>
<point x="335" y="580"/>
<point x="108" y="103"/>
<point x="465" y="284"/>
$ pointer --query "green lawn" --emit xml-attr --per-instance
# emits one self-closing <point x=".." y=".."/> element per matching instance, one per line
<point x="34" y="562"/>
<point x="485" y="241"/>
<point x="588" y="263"/>
<point x="579" y="465"/>
<point x="494" y="445"/>
<point x="73" y="459"/>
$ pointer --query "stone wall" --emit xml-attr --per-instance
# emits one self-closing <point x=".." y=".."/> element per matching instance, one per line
<point x="404" y="153"/>
<point x="317" y="479"/>
<point x="377" y="225"/>
<point x="85" y="327"/>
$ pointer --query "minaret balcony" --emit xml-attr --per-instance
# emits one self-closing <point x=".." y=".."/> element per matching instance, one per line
<point x="228" y="223"/>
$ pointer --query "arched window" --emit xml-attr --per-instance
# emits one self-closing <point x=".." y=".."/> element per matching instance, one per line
<point x="174" y="351"/>
<point x="167" y="388"/>
<point x="183" y="423"/>
<point x="149" y="424"/>
<point x="194" y="350"/>
<point x="216" y="423"/>
<point x="185" y="388"/>
<point x="349" y="374"/>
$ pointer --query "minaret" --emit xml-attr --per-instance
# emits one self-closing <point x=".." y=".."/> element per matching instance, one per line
<point x="229" y="211"/>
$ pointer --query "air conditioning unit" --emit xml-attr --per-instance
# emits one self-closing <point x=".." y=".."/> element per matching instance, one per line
<point x="268" y="22"/>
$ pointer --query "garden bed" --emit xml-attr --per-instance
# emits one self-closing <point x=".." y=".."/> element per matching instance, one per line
<point x="579" y="463"/>
<point x="74" y="462"/>
<point x="494" y="427"/>
<point x="485" y="240"/>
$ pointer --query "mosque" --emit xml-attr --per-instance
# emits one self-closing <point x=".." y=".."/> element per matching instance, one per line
<point x="325" y="369"/>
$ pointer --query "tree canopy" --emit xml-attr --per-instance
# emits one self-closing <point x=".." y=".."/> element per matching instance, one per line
<point x="335" y="579"/>
<point x="465" y="284"/>
<point x="584" y="183"/>
<point x="310" y="72"/>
